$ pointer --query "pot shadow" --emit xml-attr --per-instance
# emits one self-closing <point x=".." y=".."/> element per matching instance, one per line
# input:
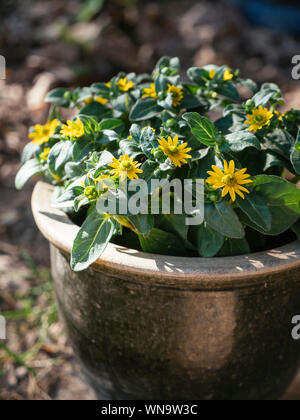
<point x="58" y="218"/>
<point x="252" y="262"/>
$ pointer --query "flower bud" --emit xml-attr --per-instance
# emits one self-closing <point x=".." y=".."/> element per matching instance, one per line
<point x="91" y="193"/>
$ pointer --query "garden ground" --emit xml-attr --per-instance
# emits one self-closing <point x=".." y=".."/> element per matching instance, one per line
<point x="54" y="43"/>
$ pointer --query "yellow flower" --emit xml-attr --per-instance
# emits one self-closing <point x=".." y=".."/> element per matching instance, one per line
<point x="259" y="118"/>
<point x="150" y="92"/>
<point x="212" y="73"/>
<point x="42" y="133"/>
<point x="99" y="99"/>
<point x="44" y="155"/>
<point x="228" y="75"/>
<point x="125" y="85"/>
<point x="177" y="94"/>
<point x="108" y="84"/>
<point x="73" y="129"/>
<point x="89" y="100"/>
<point x="280" y="115"/>
<point x="125" y="167"/>
<point x="176" y="153"/>
<point x="230" y="180"/>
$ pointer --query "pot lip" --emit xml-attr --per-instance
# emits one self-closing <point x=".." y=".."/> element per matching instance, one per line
<point x="252" y="270"/>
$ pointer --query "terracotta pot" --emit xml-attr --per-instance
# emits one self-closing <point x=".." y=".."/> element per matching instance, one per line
<point x="155" y="327"/>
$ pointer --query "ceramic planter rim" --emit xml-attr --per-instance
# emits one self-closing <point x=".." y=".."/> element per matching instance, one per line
<point x="187" y="273"/>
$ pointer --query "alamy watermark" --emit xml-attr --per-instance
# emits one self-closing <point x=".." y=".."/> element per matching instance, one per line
<point x="2" y="68"/>
<point x="157" y="197"/>
<point x="296" y="329"/>
<point x="2" y="328"/>
<point x="296" y="68"/>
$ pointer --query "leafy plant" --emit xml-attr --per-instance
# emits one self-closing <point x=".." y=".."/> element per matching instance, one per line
<point x="155" y="127"/>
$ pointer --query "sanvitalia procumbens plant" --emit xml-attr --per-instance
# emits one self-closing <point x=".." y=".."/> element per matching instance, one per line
<point x="155" y="127"/>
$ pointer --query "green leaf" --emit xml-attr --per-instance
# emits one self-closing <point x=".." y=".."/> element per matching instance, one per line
<point x="82" y="149"/>
<point x="175" y="223"/>
<point x="110" y="124"/>
<point x="128" y="147"/>
<point x="234" y="247"/>
<point x="223" y="219"/>
<point x="193" y="102"/>
<point x="29" y="150"/>
<point x="91" y="240"/>
<point x="57" y="97"/>
<point x="268" y="91"/>
<point x="202" y="128"/>
<point x="249" y="84"/>
<point x="199" y="76"/>
<point x="296" y="228"/>
<point x="209" y="242"/>
<point x="74" y="169"/>
<point x="105" y="159"/>
<point x="100" y="89"/>
<point x="283" y="201"/>
<point x="163" y="243"/>
<point x="59" y="155"/>
<point x="239" y="141"/>
<point x="144" y="223"/>
<point x="145" y="109"/>
<point x="96" y="110"/>
<point x="280" y="141"/>
<point x="150" y="170"/>
<point x="107" y="136"/>
<point x="68" y="196"/>
<point x="147" y="141"/>
<point x="295" y="155"/>
<point x="31" y="168"/>
<point x="229" y="91"/>
<point x="82" y="94"/>
<point x="200" y="167"/>
<point x="255" y="207"/>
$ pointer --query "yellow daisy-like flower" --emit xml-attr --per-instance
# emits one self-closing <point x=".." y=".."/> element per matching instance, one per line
<point x="228" y="75"/>
<point x="108" y="84"/>
<point x="73" y="129"/>
<point x="44" y="155"/>
<point x="230" y="180"/>
<point x="99" y="99"/>
<point x="260" y="117"/>
<point x="125" y="167"/>
<point x="177" y="154"/>
<point x="150" y="92"/>
<point x="125" y="85"/>
<point x="42" y="133"/>
<point x="212" y="73"/>
<point x="177" y="94"/>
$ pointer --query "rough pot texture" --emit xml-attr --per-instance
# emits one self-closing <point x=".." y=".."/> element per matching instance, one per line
<point x="155" y="327"/>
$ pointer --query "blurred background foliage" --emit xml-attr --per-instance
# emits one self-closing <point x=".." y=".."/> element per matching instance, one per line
<point x="50" y="43"/>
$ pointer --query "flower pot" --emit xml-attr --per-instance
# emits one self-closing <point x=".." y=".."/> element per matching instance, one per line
<point x="155" y="327"/>
<point x="282" y="16"/>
